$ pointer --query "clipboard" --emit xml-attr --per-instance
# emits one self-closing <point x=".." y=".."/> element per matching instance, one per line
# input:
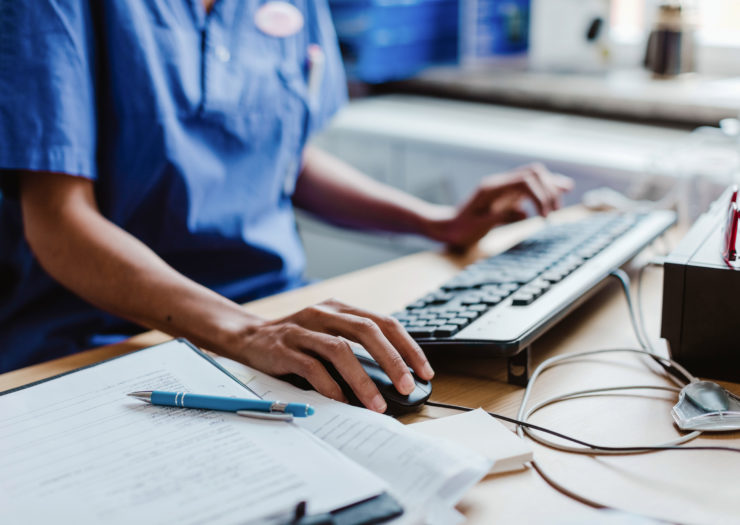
<point x="377" y="509"/>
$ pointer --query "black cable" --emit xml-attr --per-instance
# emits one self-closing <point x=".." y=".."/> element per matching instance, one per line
<point x="580" y="442"/>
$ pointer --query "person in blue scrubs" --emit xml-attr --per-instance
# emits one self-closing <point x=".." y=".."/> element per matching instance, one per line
<point x="151" y="154"/>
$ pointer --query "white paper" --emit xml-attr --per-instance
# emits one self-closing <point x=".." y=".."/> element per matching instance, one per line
<point x="428" y="476"/>
<point x="79" y="450"/>
<point x="481" y="433"/>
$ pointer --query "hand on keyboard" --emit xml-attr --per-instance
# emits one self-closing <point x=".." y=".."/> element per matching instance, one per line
<point x="498" y="200"/>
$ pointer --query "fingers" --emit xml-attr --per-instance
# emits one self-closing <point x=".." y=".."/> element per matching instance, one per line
<point x="315" y="373"/>
<point x="554" y="185"/>
<point x="500" y="193"/>
<point x="539" y="185"/>
<point x="335" y="318"/>
<point x="545" y="180"/>
<point x="536" y="191"/>
<point x="400" y="339"/>
<point x="364" y="331"/>
<point x="563" y="183"/>
<point x="338" y="352"/>
<point x="299" y="342"/>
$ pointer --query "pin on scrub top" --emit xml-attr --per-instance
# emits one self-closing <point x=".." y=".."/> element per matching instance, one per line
<point x="279" y="19"/>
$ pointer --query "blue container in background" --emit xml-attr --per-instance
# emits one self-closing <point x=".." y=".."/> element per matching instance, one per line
<point x="383" y="40"/>
<point x="493" y="28"/>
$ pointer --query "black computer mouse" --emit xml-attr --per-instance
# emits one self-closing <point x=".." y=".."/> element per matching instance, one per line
<point x="397" y="402"/>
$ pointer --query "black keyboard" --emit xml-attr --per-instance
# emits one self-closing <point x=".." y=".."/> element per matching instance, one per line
<point x="500" y="305"/>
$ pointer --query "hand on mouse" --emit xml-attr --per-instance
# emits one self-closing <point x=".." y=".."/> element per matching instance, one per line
<point x="288" y="346"/>
<point x="498" y="200"/>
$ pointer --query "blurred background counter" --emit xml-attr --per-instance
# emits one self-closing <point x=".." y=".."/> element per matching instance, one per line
<point x="637" y="96"/>
<point x="686" y="101"/>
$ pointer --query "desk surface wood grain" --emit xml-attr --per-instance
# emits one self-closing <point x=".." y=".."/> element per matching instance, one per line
<point x="683" y="486"/>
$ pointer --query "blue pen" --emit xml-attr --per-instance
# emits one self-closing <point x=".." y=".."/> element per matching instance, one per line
<point x="258" y="408"/>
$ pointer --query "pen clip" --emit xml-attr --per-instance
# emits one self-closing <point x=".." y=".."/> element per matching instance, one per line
<point x="270" y="416"/>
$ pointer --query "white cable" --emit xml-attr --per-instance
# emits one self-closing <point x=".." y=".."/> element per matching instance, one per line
<point x="524" y="413"/>
<point x="638" y="325"/>
<point x="593" y="392"/>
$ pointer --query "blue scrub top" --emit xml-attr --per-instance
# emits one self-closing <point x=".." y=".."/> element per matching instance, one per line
<point x="191" y="126"/>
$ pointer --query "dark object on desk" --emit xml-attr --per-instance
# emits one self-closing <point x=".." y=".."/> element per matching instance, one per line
<point x="397" y="403"/>
<point x="701" y="294"/>
<point x="498" y="306"/>
<point x="671" y="44"/>
<point x="379" y="509"/>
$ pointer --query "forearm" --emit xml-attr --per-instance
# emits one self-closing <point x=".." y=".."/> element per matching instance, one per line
<point x="111" y="269"/>
<point x="339" y="193"/>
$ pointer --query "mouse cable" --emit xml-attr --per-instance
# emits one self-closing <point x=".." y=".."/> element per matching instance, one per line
<point x="580" y="441"/>
<point x="674" y="371"/>
<point x="524" y="413"/>
<point x="555" y="484"/>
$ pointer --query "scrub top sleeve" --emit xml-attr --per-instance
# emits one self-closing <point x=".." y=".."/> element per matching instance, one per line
<point x="47" y="96"/>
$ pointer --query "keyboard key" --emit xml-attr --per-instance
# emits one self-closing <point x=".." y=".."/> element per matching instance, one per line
<point x="553" y="276"/>
<point x="477" y="308"/>
<point x="455" y="286"/>
<point x="438" y="298"/>
<point x="534" y="292"/>
<point x="456" y="309"/>
<point x="524" y="276"/>
<point x="537" y="287"/>
<point x="470" y="299"/>
<point x="522" y="299"/>
<point x="421" y="332"/>
<point x="447" y="330"/>
<point x="459" y="321"/>
<point x="491" y="300"/>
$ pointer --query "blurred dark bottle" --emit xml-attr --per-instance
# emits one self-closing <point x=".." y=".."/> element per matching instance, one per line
<point x="671" y="46"/>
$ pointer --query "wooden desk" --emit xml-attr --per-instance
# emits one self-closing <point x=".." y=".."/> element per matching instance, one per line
<point x="690" y="487"/>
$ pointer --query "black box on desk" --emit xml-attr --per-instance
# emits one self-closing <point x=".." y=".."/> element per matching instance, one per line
<point x="701" y="300"/>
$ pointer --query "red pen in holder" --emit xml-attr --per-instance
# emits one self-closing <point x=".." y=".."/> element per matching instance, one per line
<point x="729" y="250"/>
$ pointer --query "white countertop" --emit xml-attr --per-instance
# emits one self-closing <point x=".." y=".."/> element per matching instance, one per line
<point x="688" y="100"/>
<point x="530" y="134"/>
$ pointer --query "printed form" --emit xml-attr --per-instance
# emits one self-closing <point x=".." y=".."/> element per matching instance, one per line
<point x="427" y="476"/>
<point x="77" y="448"/>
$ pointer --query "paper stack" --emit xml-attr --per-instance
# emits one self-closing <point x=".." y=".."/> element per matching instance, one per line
<point x="427" y="475"/>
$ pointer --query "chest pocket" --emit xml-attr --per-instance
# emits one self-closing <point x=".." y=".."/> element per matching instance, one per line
<point x="259" y="94"/>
